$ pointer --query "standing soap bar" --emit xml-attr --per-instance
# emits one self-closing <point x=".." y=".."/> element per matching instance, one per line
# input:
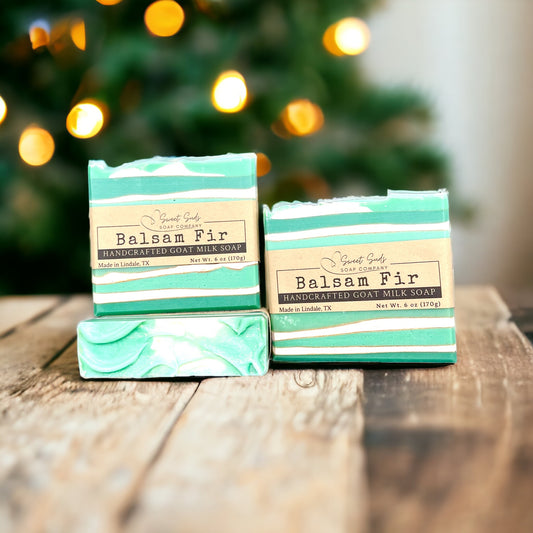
<point x="178" y="345"/>
<point x="174" y="234"/>
<point x="361" y="279"/>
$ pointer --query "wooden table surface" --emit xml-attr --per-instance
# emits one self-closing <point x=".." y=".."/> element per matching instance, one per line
<point x="446" y="448"/>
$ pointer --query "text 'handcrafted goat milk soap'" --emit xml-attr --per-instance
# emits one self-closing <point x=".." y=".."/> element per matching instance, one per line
<point x="174" y="234"/>
<point x="365" y="279"/>
<point x="228" y="343"/>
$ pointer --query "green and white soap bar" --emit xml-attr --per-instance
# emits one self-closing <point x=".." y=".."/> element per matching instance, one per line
<point x="364" y="279"/>
<point x="177" y="345"/>
<point x="174" y="234"/>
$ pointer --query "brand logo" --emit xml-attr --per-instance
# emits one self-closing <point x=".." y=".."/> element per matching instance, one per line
<point x="160" y="220"/>
<point x="344" y="264"/>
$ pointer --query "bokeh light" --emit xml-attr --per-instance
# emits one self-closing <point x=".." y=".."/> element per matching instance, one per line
<point x="109" y="2"/>
<point x="3" y="110"/>
<point x="229" y="92"/>
<point x="164" y="18"/>
<point x="39" y="34"/>
<point x="263" y="164"/>
<point x="36" y="146"/>
<point x="349" y="36"/>
<point x="85" y="119"/>
<point x="302" y="117"/>
<point x="77" y="33"/>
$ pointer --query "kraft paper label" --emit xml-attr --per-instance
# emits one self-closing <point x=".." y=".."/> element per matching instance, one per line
<point x="174" y="234"/>
<point x="392" y="275"/>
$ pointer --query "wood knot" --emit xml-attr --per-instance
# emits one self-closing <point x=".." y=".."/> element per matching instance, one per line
<point x="305" y="378"/>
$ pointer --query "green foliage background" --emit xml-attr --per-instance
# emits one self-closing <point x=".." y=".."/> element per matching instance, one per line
<point x="158" y="94"/>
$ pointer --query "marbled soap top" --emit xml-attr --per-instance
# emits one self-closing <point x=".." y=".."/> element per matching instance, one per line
<point x="226" y="165"/>
<point x="400" y="215"/>
<point x="177" y="179"/>
<point x="394" y="201"/>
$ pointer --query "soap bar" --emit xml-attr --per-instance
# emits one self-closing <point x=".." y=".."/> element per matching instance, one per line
<point x="174" y="234"/>
<point x="361" y="279"/>
<point x="174" y="345"/>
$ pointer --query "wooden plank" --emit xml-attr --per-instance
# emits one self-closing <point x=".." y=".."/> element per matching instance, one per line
<point x="16" y="310"/>
<point x="451" y="448"/>
<point x="73" y="452"/>
<point x="34" y="344"/>
<point x="447" y="448"/>
<point x="278" y="453"/>
<point x="520" y="302"/>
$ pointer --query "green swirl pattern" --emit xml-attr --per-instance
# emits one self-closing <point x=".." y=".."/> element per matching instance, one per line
<point x="166" y="346"/>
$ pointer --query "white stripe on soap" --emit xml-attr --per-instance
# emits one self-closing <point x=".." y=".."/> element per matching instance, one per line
<point x="118" y="277"/>
<point x="238" y="194"/>
<point x="361" y="350"/>
<point x="355" y="230"/>
<point x="174" y="169"/>
<point x="377" y="324"/>
<point x="159" y="294"/>
<point x="321" y="209"/>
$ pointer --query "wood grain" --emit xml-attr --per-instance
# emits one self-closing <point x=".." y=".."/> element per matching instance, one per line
<point x="451" y="448"/>
<point x="17" y="310"/>
<point x="34" y="344"/>
<point x="278" y="453"/>
<point x="446" y="448"/>
<point x="73" y="452"/>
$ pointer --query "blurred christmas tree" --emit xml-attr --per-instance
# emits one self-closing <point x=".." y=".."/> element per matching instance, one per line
<point x="203" y="77"/>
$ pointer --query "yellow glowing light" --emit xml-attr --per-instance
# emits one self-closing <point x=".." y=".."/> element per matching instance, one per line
<point x="77" y="34"/>
<point x="3" y="110"/>
<point x="85" y="119"/>
<point x="36" y="146"/>
<point x="302" y="117"/>
<point x="349" y="36"/>
<point x="164" y="18"/>
<point x="263" y="164"/>
<point x="39" y="34"/>
<point x="109" y="2"/>
<point x="229" y="92"/>
<point x="352" y="36"/>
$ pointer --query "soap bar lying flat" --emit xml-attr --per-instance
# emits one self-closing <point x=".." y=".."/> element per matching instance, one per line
<point x="361" y="279"/>
<point x="177" y="345"/>
<point x="174" y="234"/>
